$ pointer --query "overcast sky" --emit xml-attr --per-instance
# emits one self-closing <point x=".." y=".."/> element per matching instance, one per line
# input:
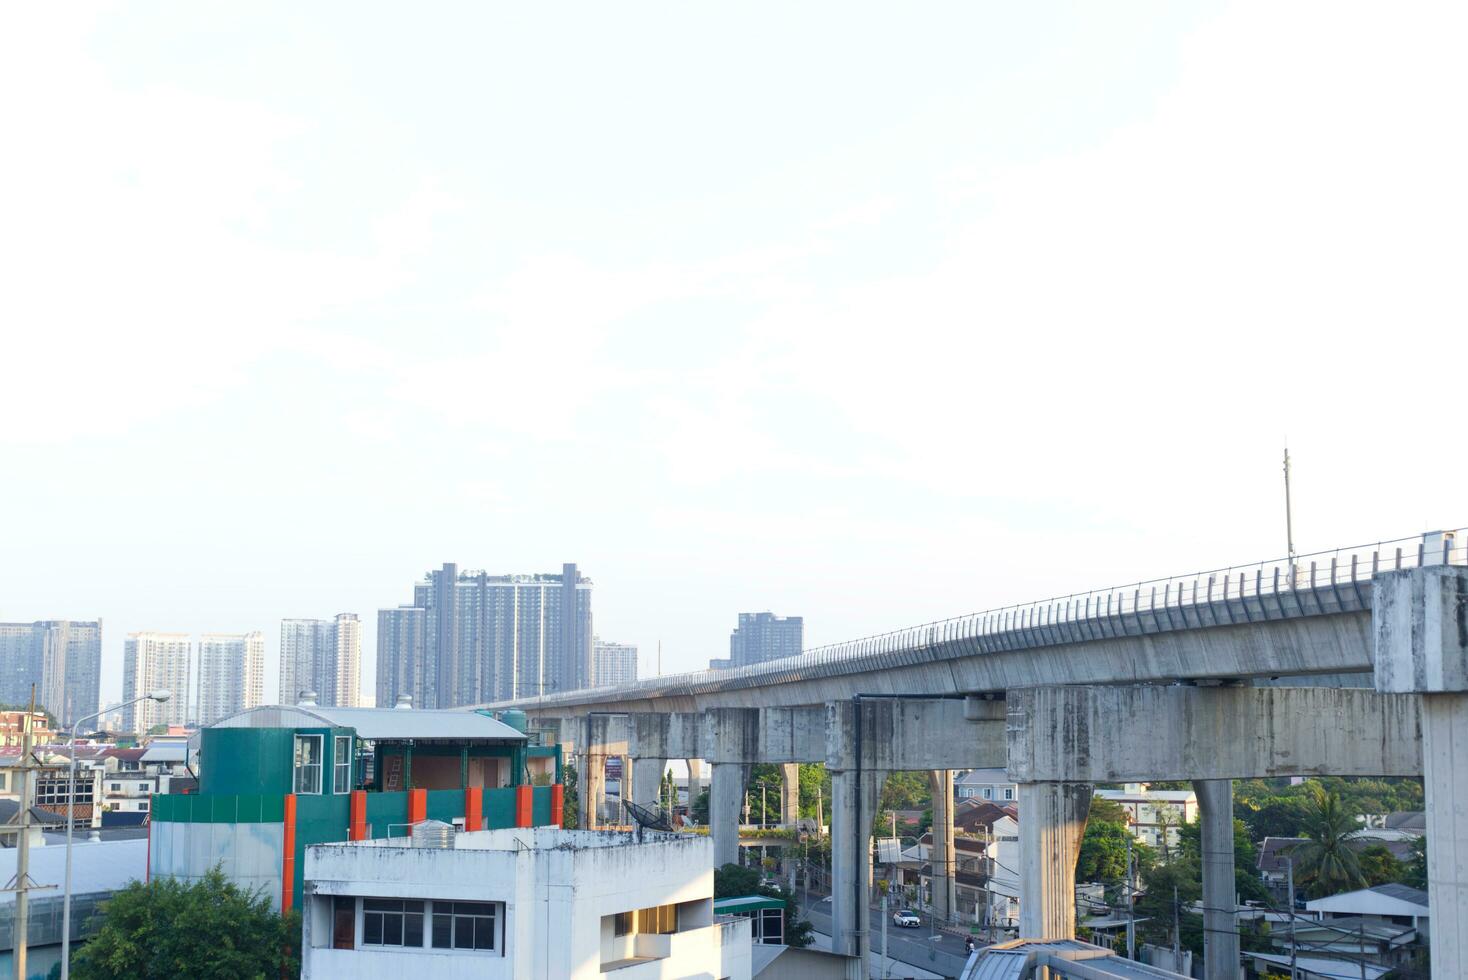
<point x="870" y="314"/>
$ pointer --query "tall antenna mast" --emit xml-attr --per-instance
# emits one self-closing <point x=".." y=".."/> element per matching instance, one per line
<point x="1289" y="517"/>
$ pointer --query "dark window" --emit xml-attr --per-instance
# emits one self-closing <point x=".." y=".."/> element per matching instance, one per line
<point x="464" y="925"/>
<point x="343" y="922"/>
<point x="391" y="922"/>
<point x="622" y="923"/>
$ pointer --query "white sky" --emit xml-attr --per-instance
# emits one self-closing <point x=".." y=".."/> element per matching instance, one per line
<point x="871" y="314"/>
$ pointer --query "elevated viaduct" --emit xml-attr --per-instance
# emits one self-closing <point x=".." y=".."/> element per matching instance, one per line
<point x="1071" y="691"/>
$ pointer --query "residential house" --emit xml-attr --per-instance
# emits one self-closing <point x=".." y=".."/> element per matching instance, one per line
<point x="986" y="784"/>
<point x="1156" y="816"/>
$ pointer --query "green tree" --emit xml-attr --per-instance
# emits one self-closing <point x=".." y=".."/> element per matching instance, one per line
<point x="733" y="881"/>
<point x="815" y="788"/>
<point x="570" y="799"/>
<point x="1326" y="863"/>
<point x="1103" y="853"/>
<point x="1379" y="866"/>
<point x="1414" y="873"/>
<point x="208" y="929"/>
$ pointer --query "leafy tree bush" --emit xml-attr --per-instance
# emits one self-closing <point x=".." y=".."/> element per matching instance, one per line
<point x="209" y="929"/>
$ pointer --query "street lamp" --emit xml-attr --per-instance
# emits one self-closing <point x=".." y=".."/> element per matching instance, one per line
<point x="160" y="697"/>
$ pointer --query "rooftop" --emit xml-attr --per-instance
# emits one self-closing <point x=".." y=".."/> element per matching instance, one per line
<point x="1391" y="899"/>
<point x="380" y="724"/>
<point x="97" y="866"/>
<point x="518" y="839"/>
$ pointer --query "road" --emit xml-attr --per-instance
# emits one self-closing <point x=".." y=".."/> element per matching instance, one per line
<point x="944" y="955"/>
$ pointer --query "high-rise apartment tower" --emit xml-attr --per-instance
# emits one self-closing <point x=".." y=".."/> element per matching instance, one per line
<point x="471" y="637"/>
<point x="323" y="656"/>
<point x="612" y="663"/>
<point x="61" y="657"/>
<point x="153" y="662"/>
<point x="231" y="674"/>
<point x="763" y="636"/>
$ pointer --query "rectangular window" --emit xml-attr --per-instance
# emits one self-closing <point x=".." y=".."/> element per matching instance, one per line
<point x="1009" y="792"/>
<point x="392" y="922"/>
<point x="464" y="925"/>
<point x="622" y="923"/>
<point x="343" y="922"/>
<point x="661" y="919"/>
<point x="342" y="765"/>
<point x="308" y="764"/>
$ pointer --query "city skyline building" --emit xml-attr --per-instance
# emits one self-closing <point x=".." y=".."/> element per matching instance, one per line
<point x="61" y="657"/>
<point x="231" y="675"/>
<point x="477" y="637"/>
<point x="612" y="663"/>
<point x="153" y="661"/>
<point x="760" y="637"/>
<point x="323" y="656"/>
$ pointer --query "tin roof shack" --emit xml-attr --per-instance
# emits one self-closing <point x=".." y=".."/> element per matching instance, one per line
<point x="275" y="780"/>
<point x="539" y="902"/>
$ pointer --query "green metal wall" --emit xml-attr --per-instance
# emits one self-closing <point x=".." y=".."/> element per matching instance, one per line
<point x="540" y="806"/>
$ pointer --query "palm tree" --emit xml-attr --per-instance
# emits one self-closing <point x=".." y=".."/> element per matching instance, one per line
<point x="1326" y="863"/>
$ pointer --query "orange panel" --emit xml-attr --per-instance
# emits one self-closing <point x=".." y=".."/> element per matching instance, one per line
<point x="558" y="804"/>
<point x="357" y="827"/>
<point x="417" y="805"/>
<point x="473" y="808"/>
<point x="523" y="807"/>
<point x="288" y="861"/>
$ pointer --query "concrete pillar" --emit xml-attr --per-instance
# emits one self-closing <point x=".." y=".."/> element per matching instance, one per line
<point x="647" y="780"/>
<point x="1445" y="776"/>
<point x="1052" y="819"/>
<point x="1420" y="617"/>
<point x="789" y="794"/>
<point x="1220" y="926"/>
<point x="726" y="800"/>
<point x="695" y="781"/>
<point x="853" y="808"/>
<point x="943" y="855"/>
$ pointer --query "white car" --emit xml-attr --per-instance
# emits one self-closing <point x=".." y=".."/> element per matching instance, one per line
<point x="906" y="919"/>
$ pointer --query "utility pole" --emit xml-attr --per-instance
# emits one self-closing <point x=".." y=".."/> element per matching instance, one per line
<point x="1289" y="528"/>
<point x="1177" y="942"/>
<point x="1290" y="872"/>
<point x="820" y="816"/>
<point x="1131" y="932"/>
<point x="21" y="884"/>
<point x="762" y="787"/>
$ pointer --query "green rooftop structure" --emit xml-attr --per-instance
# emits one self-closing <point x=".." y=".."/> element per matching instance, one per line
<point x="274" y="780"/>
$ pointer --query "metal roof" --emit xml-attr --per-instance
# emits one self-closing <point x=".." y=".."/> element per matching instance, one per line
<point x="387" y="724"/>
<point x="166" y="752"/>
<point x="747" y="903"/>
<point x="1069" y="958"/>
<point x="98" y="866"/>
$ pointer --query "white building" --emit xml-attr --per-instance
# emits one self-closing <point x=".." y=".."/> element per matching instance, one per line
<point x="231" y="674"/>
<point x="986" y="784"/>
<point x="524" y="903"/>
<point x="1155" y="812"/>
<point x="612" y="663"/>
<point x="323" y="656"/>
<point x="152" y="662"/>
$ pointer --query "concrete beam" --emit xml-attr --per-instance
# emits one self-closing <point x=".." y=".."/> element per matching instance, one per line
<point x="1268" y="636"/>
<point x="666" y="735"/>
<point x="1116" y="734"/>
<point x="899" y="734"/>
<point x="772" y="735"/>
